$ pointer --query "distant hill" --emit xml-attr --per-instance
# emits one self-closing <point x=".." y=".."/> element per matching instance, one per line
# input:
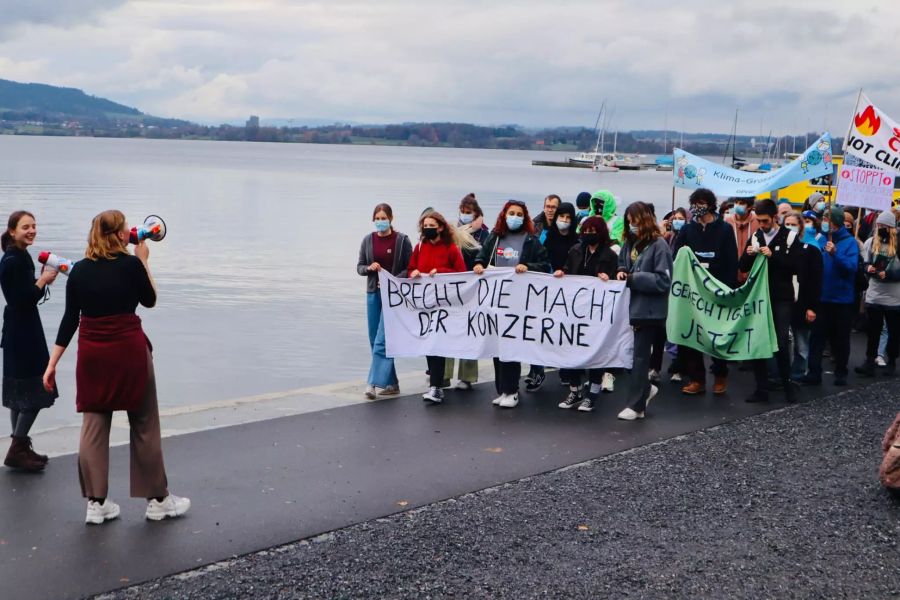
<point x="52" y="100"/>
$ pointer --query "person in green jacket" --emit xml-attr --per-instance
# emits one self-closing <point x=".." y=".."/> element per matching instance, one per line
<point x="603" y="204"/>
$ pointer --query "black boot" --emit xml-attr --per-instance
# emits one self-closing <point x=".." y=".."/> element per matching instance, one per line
<point x="867" y="369"/>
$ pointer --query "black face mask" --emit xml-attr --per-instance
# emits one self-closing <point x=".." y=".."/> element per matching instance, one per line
<point x="884" y="235"/>
<point x="430" y="233"/>
<point x="590" y="238"/>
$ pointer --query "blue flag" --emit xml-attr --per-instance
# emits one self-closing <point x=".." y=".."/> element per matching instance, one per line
<point x="693" y="172"/>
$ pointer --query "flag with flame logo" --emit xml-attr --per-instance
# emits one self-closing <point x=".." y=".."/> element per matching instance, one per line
<point x="873" y="136"/>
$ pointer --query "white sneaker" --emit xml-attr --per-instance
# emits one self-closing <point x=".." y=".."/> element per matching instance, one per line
<point x="463" y="385"/>
<point x="608" y="382"/>
<point x="675" y="378"/>
<point x="434" y="394"/>
<point x="370" y="392"/>
<point x="653" y="392"/>
<point x="171" y="506"/>
<point x="97" y="513"/>
<point x="653" y="376"/>
<point x="496" y="401"/>
<point x="629" y="414"/>
<point x="509" y="401"/>
<point x="880" y="362"/>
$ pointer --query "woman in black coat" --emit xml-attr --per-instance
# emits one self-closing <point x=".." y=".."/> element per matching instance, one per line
<point x="25" y="353"/>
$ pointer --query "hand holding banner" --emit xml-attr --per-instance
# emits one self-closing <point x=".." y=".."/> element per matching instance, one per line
<point x="709" y="316"/>
<point x="568" y="322"/>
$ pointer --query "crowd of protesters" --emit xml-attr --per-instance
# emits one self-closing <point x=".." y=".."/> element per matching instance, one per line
<point x="824" y="269"/>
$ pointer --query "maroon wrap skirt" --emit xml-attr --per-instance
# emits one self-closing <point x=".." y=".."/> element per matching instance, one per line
<point x="111" y="371"/>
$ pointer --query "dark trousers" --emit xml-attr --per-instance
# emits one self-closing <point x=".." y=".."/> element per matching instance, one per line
<point x="436" y="366"/>
<point x="781" y="315"/>
<point x="832" y="324"/>
<point x="876" y="317"/>
<point x="692" y="364"/>
<point x="645" y="337"/>
<point x="659" y="346"/>
<point x="506" y="376"/>
<point x="573" y="376"/>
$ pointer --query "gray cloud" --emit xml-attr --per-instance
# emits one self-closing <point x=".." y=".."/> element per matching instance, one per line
<point x="51" y="12"/>
<point x="788" y="67"/>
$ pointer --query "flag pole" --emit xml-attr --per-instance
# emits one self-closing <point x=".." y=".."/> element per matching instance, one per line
<point x="853" y="116"/>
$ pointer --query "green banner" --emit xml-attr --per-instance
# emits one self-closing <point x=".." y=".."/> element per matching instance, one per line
<point x="705" y="314"/>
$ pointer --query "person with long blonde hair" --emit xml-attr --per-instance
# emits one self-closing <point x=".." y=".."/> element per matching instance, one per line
<point x="883" y="294"/>
<point x="114" y="368"/>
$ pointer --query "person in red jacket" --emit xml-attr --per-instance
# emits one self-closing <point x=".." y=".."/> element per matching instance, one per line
<point x="435" y="253"/>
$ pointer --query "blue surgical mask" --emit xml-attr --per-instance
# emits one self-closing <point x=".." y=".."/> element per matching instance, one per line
<point x="820" y="207"/>
<point x="583" y="213"/>
<point x="466" y="218"/>
<point x="382" y="225"/>
<point x="563" y="226"/>
<point x="677" y="224"/>
<point x="633" y="229"/>
<point x="514" y="222"/>
<point x="740" y="210"/>
<point x="826" y="226"/>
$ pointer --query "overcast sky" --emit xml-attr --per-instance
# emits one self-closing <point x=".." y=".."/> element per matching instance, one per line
<point x="789" y="66"/>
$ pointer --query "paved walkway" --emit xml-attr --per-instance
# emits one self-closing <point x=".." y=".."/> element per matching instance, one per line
<point x="264" y="484"/>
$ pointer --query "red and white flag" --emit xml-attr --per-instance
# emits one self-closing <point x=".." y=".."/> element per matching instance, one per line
<point x="873" y="136"/>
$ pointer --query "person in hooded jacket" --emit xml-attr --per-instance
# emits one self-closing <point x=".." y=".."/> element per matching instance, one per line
<point x="840" y="259"/>
<point x="883" y="295"/>
<point x="645" y="264"/>
<point x="512" y="243"/>
<point x="582" y="208"/>
<point x="559" y="238"/>
<point x="592" y="257"/>
<point x="712" y="241"/>
<point x="603" y="204"/>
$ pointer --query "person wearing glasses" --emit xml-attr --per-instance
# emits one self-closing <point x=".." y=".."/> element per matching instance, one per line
<point x="512" y="243"/>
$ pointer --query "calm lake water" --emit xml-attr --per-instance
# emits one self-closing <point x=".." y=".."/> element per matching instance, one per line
<point x="258" y="290"/>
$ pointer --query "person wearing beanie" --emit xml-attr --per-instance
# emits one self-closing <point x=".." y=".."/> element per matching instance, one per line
<point x="816" y="202"/>
<point x="840" y="256"/>
<point x="883" y="294"/>
<point x="582" y="207"/>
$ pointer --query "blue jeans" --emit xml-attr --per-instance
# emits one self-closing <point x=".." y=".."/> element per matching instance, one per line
<point x="801" y="348"/>
<point x="882" y="343"/>
<point x="382" y="372"/>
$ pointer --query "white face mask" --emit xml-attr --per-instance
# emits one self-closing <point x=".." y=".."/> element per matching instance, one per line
<point x="563" y="226"/>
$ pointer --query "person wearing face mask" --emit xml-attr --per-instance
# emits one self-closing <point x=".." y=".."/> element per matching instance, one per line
<point x="672" y="225"/>
<point x="840" y="257"/>
<point x="435" y="253"/>
<point x="645" y="263"/>
<point x="781" y="247"/>
<point x="591" y="257"/>
<point x="816" y="203"/>
<point x="603" y="204"/>
<point x="582" y="208"/>
<point x="470" y="233"/>
<point x="389" y="249"/>
<point x="809" y="289"/>
<point x="560" y="237"/>
<point x="883" y="295"/>
<point x="744" y="223"/>
<point x="712" y="241"/>
<point x="512" y="243"/>
<point x="25" y="354"/>
<point x="784" y="209"/>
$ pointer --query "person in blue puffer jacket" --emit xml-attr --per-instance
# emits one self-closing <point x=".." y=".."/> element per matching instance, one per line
<point x="840" y="258"/>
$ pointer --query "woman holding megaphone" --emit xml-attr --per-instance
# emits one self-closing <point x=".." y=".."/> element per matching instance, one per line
<point x="25" y="353"/>
<point x="114" y="368"/>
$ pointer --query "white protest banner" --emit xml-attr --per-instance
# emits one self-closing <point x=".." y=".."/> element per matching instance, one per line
<point x="873" y="136"/>
<point x="693" y="172"/>
<point x="866" y="188"/>
<point x="568" y="322"/>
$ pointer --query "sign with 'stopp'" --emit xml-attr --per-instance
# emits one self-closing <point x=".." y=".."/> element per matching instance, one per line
<point x="867" y="188"/>
<point x="568" y="322"/>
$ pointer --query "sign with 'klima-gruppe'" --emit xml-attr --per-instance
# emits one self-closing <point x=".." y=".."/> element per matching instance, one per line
<point x="866" y="188"/>
<point x="709" y="316"/>
<point x="569" y="322"/>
